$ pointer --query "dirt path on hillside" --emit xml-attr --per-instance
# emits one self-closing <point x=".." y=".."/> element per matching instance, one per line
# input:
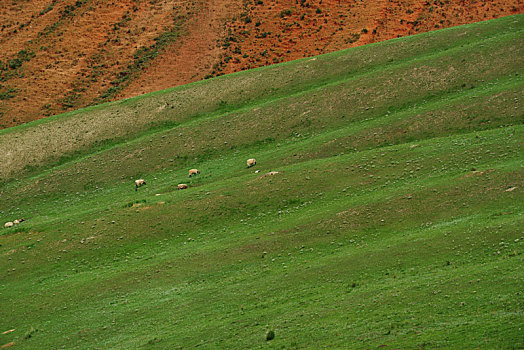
<point x="193" y="56"/>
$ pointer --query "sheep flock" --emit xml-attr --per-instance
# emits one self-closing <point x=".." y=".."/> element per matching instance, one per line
<point x="192" y="172"/>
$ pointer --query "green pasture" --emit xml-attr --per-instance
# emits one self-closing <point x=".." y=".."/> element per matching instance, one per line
<point x="395" y="219"/>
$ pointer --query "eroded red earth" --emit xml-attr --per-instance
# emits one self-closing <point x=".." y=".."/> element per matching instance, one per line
<point x="62" y="55"/>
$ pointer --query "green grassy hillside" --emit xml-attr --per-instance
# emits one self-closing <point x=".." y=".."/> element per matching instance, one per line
<point x="394" y="221"/>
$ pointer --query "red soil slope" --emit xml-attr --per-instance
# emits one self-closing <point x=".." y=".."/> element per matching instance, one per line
<point x="62" y="55"/>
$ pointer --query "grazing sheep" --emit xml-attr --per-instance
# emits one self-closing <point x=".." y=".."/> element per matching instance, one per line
<point x="182" y="187"/>
<point x="8" y="224"/>
<point x="138" y="183"/>
<point x="16" y="222"/>
<point x="193" y="172"/>
<point x="251" y="162"/>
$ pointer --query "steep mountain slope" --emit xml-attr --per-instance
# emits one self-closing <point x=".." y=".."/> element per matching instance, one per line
<point x="62" y="55"/>
<point x="394" y="219"/>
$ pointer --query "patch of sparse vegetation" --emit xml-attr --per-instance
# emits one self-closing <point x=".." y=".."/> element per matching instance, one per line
<point x="352" y="38"/>
<point x="7" y="92"/>
<point x="142" y="58"/>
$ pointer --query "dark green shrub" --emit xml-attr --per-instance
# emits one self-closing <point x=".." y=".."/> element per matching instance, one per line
<point x="285" y="13"/>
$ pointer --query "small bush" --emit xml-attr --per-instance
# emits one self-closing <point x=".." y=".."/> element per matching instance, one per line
<point x="262" y="35"/>
<point x="25" y="55"/>
<point x="9" y="93"/>
<point x="14" y="63"/>
<point x="285" y="13"/>
<point x="353" y="38"/>
<point x="30" y="333"/>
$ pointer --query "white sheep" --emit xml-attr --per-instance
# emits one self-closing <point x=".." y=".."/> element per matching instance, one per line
<point x="181" y="187"/>
<point x="193" y="172"/>
<point x="251" y="162"/>
<point x="8" y="224"/>
<point x="138" y="183"/>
